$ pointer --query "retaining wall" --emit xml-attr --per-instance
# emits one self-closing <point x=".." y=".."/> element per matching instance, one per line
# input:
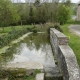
<point x="65" y="55"/>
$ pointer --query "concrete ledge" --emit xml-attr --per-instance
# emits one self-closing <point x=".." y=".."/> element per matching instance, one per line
<point x="62" y="39"/>
<point x="25" y="65"/>
<point x="68" y="63"/>
<point x="40" y="76"/>
<point x="65" y="55"/>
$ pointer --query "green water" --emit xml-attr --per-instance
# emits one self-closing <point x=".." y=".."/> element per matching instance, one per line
<point x="34" y="48"/>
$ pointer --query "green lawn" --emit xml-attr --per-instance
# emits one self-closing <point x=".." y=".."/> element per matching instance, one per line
<point x="74" y="41"/>
<point x="10" y="28"/>
<point x="2" y="34"/>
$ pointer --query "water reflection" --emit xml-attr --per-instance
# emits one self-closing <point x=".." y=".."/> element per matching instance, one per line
<point x="34" y="48"/>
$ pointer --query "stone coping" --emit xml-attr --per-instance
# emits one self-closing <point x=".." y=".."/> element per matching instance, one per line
<point x="71" y="62"/>
<point x="57" y="33"/>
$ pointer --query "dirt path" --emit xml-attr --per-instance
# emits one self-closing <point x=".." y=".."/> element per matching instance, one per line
<point x="75" y="29"/>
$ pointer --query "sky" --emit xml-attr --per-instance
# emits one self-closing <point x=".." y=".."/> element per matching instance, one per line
<point x="73" y="1"/>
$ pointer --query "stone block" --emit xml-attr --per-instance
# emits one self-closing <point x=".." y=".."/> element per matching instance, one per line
<point x="40" y="76"/>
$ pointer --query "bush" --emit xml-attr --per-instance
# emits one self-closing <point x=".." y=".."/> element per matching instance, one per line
<point x="56" y="26"/>
<point x="34" y="31"/>
<point x="29" y="29"/>
<point x="6" y="39"/>
<point x="48" y="30"/>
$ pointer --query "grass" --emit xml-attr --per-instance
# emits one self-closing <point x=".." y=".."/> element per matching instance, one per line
<point x="19" y="74"/>
<point x="2" y="34"/>
<point x="74" y="41"/>
<point x="10" y="28"/>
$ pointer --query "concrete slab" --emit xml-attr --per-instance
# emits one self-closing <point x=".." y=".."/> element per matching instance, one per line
<point x="26" y="65"/>
<point x="40" y="76"/>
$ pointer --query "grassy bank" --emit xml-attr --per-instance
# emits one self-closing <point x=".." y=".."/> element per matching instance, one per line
<point x="11" y="28"/>
<point x="74" y="41"/>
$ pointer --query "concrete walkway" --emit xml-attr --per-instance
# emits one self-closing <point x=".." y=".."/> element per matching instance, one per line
<point x="75" y="29"/>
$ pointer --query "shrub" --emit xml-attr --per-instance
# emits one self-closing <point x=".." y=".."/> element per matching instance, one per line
<point x="34" y="31"/>
<point x="29" y="29"/>
<point x="48" y="30"/>
<point x="6" y="39"/>
<point x="56" y="26"/>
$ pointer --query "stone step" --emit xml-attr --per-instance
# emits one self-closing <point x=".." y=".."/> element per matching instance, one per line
<point x="49" y="76"/>
<point x="53" y="73"/>
<point x="40" y="76"/>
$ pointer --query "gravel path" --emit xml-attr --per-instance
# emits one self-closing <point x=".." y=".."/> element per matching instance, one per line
<point x="75" y="29"/>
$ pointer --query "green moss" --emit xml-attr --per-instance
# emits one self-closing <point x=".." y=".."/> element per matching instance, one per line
<point x="19" y="74"/>
<point x="3" y="50"/>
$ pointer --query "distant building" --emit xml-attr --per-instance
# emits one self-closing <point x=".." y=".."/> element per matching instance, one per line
<point x="78" y="12"/>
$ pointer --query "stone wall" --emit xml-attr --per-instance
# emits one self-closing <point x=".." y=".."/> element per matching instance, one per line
<point x="65" y="55"/>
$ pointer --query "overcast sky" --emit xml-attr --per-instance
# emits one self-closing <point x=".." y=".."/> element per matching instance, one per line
<point x="74" y="1"/>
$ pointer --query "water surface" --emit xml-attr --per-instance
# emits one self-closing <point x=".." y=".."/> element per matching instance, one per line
<point x="34" y="48"/>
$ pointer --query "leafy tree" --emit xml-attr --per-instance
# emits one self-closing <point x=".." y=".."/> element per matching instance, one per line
<point x="37" y="2"/>
<point x="63" y="14"/>
<point x="31" y="15"/>
<point x="68" y="3"/>
<point x="8" y="13"/>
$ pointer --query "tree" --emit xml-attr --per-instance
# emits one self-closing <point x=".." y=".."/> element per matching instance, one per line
<point x="8" y="13"/>
<point x="37" y="2"/>
<point x="31" y="15"/>
<point x="68" y="3"/>
<point x="63" y="14"/>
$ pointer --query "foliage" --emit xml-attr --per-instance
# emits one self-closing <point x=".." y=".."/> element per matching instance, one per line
<point x="63" y="14"/>
<point x="6" y="39"/>
<point x="29" y="29"/>
<point x="21" y="73"/>
<point x="31" y="15"/>
<point x="67" y="3"/>
<point x="37" y="2"/>
<point x="34" y="31"/>
<point x="56" y="26"/>
<point x="24" y="13"/>
<point x="12" y="28"/>
<point x="8" y="13"/>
